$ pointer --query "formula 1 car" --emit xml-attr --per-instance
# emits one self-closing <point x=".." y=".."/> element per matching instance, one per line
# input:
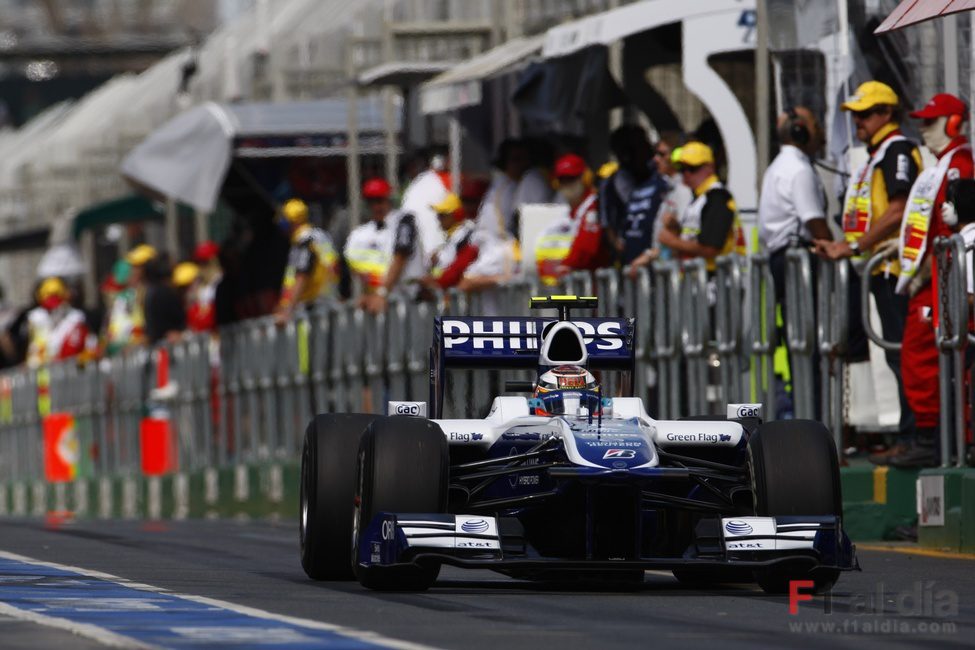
<point x="567" y="483"/>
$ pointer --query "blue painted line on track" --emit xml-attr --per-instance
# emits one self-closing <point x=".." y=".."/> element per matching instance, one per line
<point x="154" y="617"/>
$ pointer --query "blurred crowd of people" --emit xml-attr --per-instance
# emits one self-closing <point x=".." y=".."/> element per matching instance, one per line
<point x="144" y="300"/>
<point x="650" y="201"/>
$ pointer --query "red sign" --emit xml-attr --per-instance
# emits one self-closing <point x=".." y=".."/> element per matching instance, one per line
<point x="60" y="448"/>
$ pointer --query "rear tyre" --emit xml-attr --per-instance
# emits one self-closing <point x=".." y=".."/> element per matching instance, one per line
<point x="327" y="490"/>
<point x="402" y="466"/>
<point x="795" y="471"/>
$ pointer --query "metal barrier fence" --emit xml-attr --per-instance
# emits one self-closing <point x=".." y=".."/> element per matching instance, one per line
<point x="953" y="336"/>
<point x="703" y="339"/>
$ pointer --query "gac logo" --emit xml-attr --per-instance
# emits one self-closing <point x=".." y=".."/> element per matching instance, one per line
<point x="748" y="411"/>
<point x="407" y="409"/>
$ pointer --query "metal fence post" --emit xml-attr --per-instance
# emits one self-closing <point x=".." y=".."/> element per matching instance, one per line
<point x="952" y="336"/>
<point x="729" y="325"/>
<point x="695" y="311"/>
<point x="800" y="328"/>
<point x="762" y="330"/>
<point x="667" y="336"/>
<point x="832" y="333"/>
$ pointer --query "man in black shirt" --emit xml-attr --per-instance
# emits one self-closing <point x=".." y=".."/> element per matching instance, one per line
<point x="164" y="310"/>
<point x="709" y="227"/>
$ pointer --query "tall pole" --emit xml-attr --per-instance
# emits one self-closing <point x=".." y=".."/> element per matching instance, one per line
<point x="616" y="70"/>
<point x="949" y="40"/>
<point x="847" y="61"/>
<point x="971" y="74"/>
<point x="762" y="114"/>
<point x="352" y="125"/>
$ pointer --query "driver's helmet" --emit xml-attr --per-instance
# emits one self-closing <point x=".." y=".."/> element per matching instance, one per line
<point x="565" y="389"/>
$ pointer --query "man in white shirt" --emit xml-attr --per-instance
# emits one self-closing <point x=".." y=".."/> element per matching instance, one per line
<point x="429" y="187"/>
<point x="792" y="204"/>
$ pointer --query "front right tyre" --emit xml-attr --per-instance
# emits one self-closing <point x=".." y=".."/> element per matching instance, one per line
<point x="795" y="471"/>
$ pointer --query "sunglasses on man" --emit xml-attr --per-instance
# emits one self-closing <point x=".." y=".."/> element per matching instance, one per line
<point x="867" y="112"/>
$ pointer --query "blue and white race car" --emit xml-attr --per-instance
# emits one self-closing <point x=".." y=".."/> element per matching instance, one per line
<point x="567" y="483"/>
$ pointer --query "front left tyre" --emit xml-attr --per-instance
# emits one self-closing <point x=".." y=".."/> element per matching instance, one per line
<point x="402" y="467"/>
<point x="328" y="461"/>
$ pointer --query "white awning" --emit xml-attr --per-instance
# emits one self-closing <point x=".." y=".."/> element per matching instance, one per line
<point x="461" y="85"/>
<point x="616" y="24"/>
<point x="403" y="73"/>
<point x="187" y="158"/>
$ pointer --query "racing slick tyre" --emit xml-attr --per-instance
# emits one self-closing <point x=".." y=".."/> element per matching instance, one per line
<point x="795" y="471"/>
<point x="327" y="491"/>
<point x="402" y="466"/>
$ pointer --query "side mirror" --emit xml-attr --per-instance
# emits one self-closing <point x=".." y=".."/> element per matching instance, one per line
<point x="519" y="386"/>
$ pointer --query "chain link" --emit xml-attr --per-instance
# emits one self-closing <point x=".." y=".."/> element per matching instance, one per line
<point x="945" y="323"/>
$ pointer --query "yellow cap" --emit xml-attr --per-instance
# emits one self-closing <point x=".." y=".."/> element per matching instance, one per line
<point x="51" y="287"/>
<point x="608" y="169"/>
<point x="695" y="154"/>
<point x="185" y="274"/>
<point x="870" y="94"/>
<point x="140" y="255"/>
<point x="295" y="211"/>
<point x="449" y="205"/>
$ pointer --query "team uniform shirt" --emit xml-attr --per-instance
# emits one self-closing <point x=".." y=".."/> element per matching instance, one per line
<point x="498" y="205"/>
<point x="126" y="321"/>
<point x="56" y="335"/>
<point x="639" y="227"/>
<point x="574" y="240"/>
<point x="792" y="196"/>
<point x="678" y="198"/>
<point x="712" y="220"/>
<point x="201" y="312"/>
<point x="967" y="233"/>
<point x="614" y="193"/>
<point x="470" y="252"/>
<point x="312" y="255"/>
<point x="367" y="252"/>
<point x="406" y="239"/>
<point x="532" y="188"/>
<point x="428" y="188"/>
<point x="922" y="221"/>
<point x="891" y="169"/>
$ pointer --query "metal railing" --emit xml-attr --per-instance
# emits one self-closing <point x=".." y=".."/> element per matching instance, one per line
<point x="703" y="339"/>
<point x="953" y="336"/>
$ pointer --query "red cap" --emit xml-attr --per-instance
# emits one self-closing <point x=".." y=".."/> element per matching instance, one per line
<point x="376" y="188"/>
<point x="941" y="105"/>
<point x="205" y="251"/>
<point x="569" y="166"/>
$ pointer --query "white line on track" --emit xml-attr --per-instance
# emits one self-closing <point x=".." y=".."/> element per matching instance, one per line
<point x="111" y="639"/>
<point x="87" y="630"/>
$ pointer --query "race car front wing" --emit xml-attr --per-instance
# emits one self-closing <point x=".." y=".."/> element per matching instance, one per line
<point x="476" y="541"/>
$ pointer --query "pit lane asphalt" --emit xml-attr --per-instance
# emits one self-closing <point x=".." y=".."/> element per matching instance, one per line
<point x="256" y="564"/>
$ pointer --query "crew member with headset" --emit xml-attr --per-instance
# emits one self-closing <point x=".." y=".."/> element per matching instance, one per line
<point x="709" y="226"/>
<point x="312" y="269"/>
<point x="876" y="199"/>
<point x="927" y="217"/>
<point x="792" y="203"/>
